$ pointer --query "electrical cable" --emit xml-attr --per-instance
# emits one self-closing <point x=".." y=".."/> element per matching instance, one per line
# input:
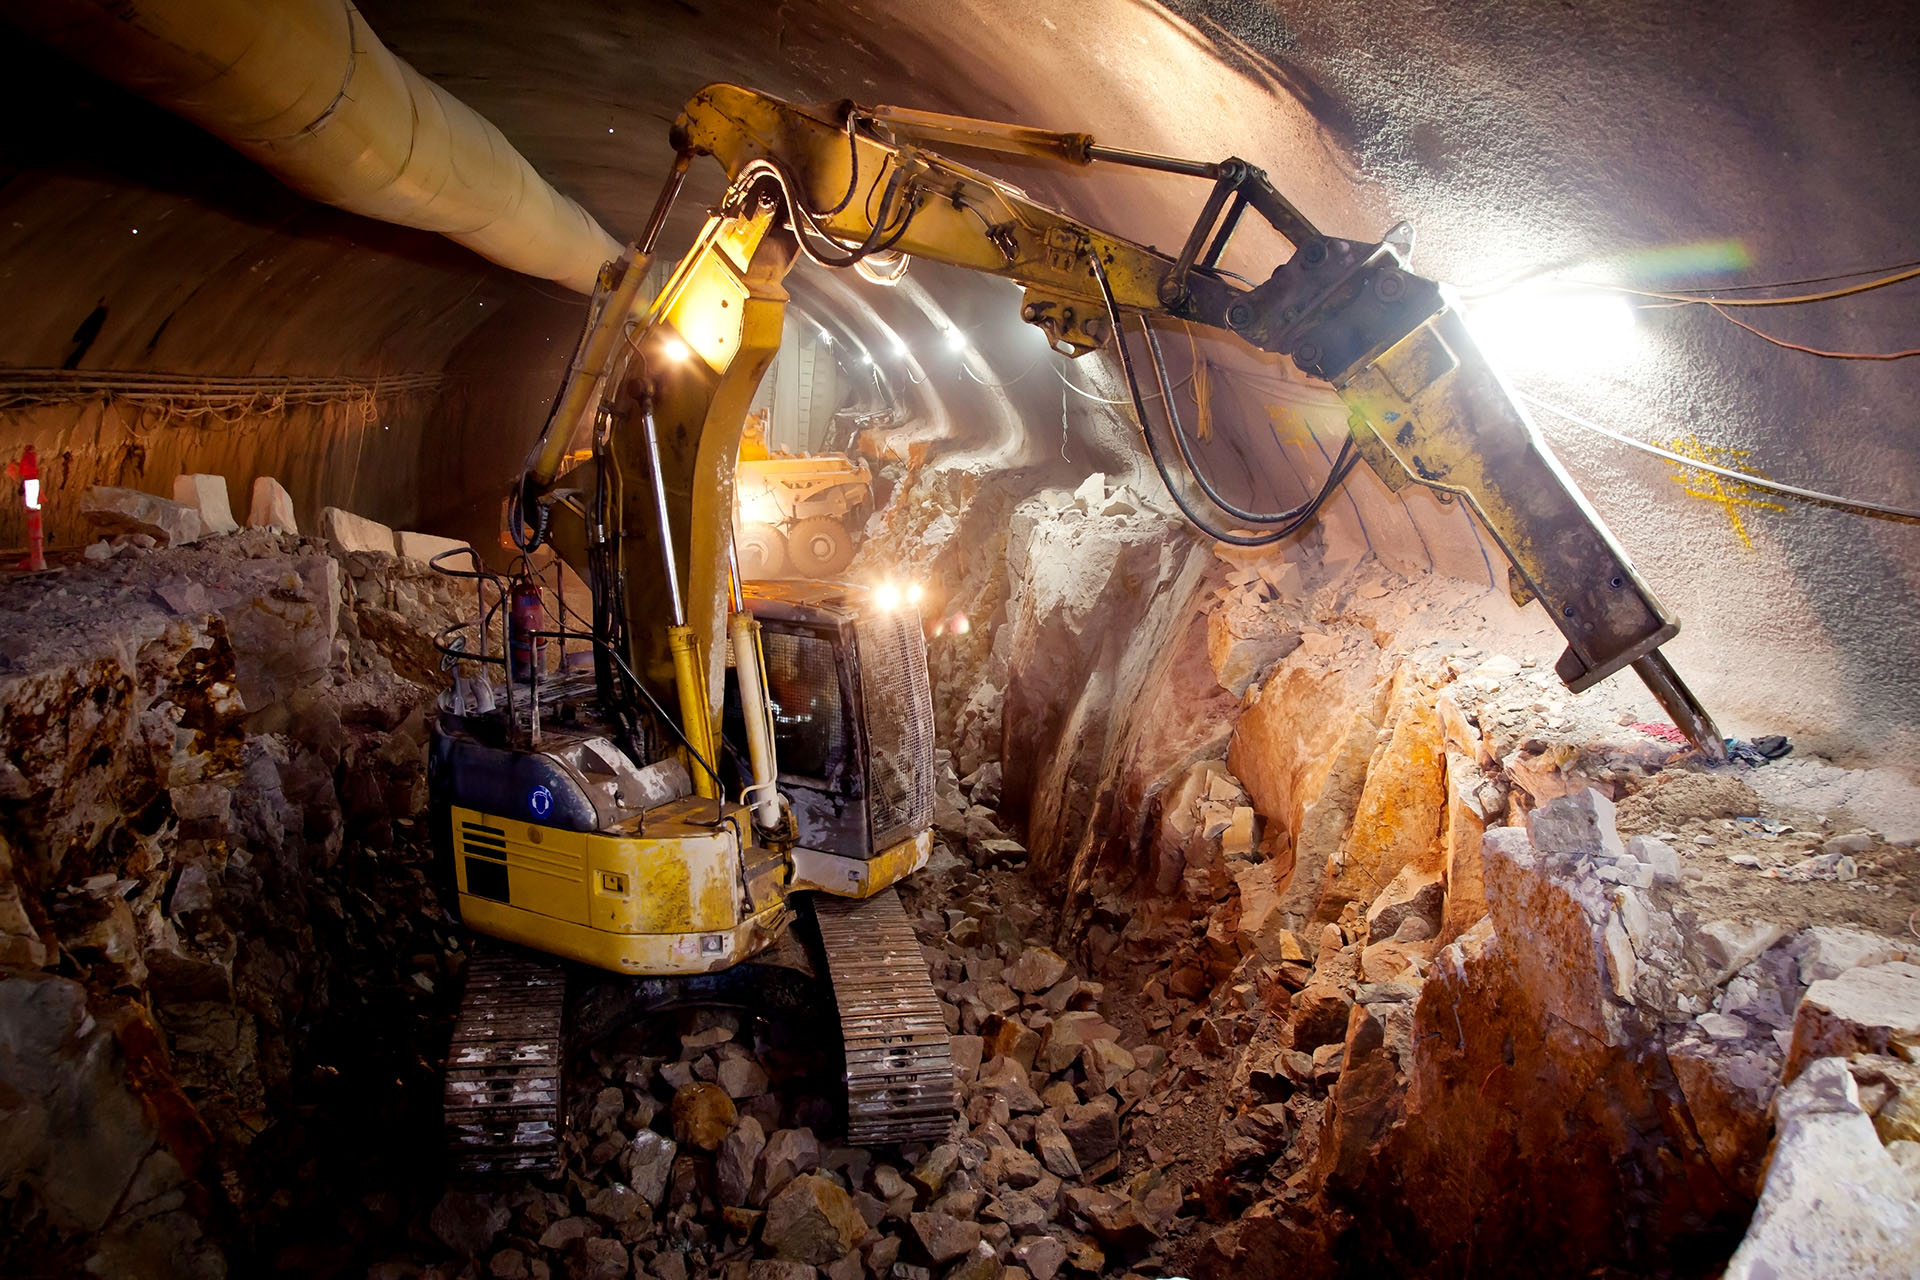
<point x="1342" y="464"/>
<point x="1912" y="271"/>
<point x="1744" y="477"/>
<point x="1720" y="309"/>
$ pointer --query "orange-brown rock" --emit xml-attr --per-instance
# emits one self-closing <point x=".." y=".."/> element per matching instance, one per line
<point x="1302" y="749"/>
<point x="1460" y="853"/>
<point x="1397" y="823"/>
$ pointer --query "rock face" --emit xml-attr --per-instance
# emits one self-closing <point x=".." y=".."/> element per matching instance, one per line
<point x="197" y="740"/>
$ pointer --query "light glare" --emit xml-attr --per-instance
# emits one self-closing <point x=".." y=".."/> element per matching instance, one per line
<point x="887" y="596"/>
<point x="914" y="593"/>
<point x="31" y="493"/>
<point x="675" y="350"/>
<point x="1548" y="329"/>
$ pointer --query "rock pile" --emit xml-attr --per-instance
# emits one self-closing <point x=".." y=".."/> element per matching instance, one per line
<point x="211" y="775"/>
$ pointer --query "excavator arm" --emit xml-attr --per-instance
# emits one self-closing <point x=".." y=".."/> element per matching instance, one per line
<point x="866" y="188"/>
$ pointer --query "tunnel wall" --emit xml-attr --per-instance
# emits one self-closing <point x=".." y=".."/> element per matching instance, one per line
<point x="1617" y="143"/>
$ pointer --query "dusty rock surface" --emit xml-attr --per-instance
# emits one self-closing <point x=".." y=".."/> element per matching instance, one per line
<point x="1349" y="931"/>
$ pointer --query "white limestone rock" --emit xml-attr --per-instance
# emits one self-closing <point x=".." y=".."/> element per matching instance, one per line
<point x="112" y="510"/>
<point x="272" y="507"/>
<point x="1871" y="1009"/>
<point x="1730" y="945"/>
<point x="355" y="533"/>
<point x="425" y="546"/>
<point x="207" y="495"/>
<point x="1835" y="1202"/>
<point x="1827" y="951"/>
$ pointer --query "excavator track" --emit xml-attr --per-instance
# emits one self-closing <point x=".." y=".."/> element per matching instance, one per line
<point x="503" y="1080"/>
<point x="900" y="1084"/>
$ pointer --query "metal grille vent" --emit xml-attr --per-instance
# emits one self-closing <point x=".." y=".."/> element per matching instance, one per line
<point x="899" y="714"/>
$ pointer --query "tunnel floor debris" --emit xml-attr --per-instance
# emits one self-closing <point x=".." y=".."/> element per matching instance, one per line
<point x="1347" y="947"/>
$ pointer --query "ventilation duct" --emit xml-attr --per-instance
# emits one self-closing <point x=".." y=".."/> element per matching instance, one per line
<point x="305" y="88"/>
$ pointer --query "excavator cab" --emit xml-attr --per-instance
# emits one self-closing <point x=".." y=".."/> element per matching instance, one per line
<point x="852" y="709"/>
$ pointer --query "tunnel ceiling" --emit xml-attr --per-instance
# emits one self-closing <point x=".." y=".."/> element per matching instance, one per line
<point x="1614" y="140"/>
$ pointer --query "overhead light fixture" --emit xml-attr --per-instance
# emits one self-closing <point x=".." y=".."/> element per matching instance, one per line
<point x="1547" y="327"/>
<point x="675" y="350"/>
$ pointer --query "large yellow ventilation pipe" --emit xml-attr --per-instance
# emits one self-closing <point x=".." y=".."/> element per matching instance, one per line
<point x="306" y="88"/>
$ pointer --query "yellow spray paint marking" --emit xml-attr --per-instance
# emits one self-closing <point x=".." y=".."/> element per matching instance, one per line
<point x="1706" y="485"/>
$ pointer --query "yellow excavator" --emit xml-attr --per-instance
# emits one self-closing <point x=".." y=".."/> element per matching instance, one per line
<point x="610" y="821"/>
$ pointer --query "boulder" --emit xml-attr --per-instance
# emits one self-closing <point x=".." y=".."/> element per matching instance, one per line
<point x="741" y="1077"/>
<point x="1553" y="918"/>
<point x="1004" y="1036"/>
<point x="648" y="1164"/>
<point x="272" y="507"/>
<point x="1037" y="969"/>
<point x="468" y="1222"/>
<point x="1067" y="1035"/>
<point x="1042" y="1256"/>
<point x="1413" y="894"/>
<point x="931" y="1174"/>
<point x="1579" y="825"/>
<point x="130" y="511"/>
<point x="1263" y="924"/>
<point x="207" y="495"/>
<point x="1320" y="1012"/>
<point x="943" y="1237"/>
<point x="703" y="1115"/>
<point x="967" y="1052"/>
<point x="350" y="532"/>
<point x="779" y="1269"/>
<point x="1092" y="1129"/>
<point x="1302" y="749"/>
<point x="1007" y="1079"/>
<point x="1827" y="951"/>
<point x="423" y="547"/>
<point x="596" y="1258"/>
<point x="812" y="1220"/>
<point x="735" y="1161"/>
<point x="1466" y="823"/>
<point x="1728" y="946"/>
<point x="1835" y="1203"/>
<point x="1870" y="1009"/>
<point x="788" y="1153"/>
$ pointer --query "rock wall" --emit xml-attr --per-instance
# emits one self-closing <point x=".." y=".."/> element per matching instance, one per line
<point x="1353" y="855"/>
<point x="202" y="745"/>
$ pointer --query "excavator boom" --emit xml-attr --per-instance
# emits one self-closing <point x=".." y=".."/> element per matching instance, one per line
<point x="863" y="186"/>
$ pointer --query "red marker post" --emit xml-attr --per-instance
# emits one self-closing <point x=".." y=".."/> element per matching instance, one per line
<point x="36" y="561"/>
